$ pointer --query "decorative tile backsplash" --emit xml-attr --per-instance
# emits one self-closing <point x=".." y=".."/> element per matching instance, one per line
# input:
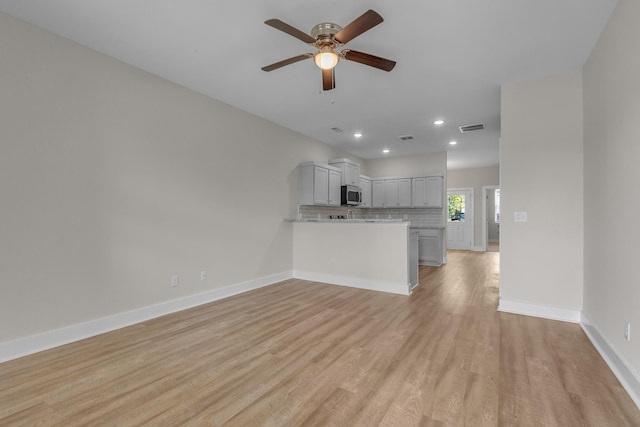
<point x="432" y="217"/>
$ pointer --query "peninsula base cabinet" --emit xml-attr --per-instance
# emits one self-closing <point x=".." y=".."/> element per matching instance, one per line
<point x="319" y="184"/>
<point x="430" y="247"/>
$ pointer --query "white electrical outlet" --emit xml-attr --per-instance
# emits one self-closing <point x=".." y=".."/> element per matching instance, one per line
<point x="520" y="217"/>
<point x="175" y="280"/>
<point x="203" y="275"/>
<point x="627" y="331"/>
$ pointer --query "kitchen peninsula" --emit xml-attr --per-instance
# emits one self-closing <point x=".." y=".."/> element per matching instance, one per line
<point x="364" y="232"/>
<point x="380" y="255"/>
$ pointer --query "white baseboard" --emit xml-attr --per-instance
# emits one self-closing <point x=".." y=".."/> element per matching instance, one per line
<point x="543" y="311"/>
<point x="32" y="344"/>
<point x="429" y="263"/>
<point x="629" y="379"/>
<point x="352" y="282"/>
<point x="477" y="248"/>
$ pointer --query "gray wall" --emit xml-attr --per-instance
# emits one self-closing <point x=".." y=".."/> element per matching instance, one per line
<point x="611" y="174"/>
<point x="541" y="174"/>
<point x="113" y="179"/>
<point x="435" y="163"/>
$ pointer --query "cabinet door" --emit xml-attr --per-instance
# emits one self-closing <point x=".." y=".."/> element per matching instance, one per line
<point x="418" y="192"/>
<point x="404" y="193"/>
<point x="365" y="185"/>
<point x="378" y="197"/>
<point x="391" y="193"/>
<point x="334" y="188"/>
<point x="429" y="249"/>
<point x="320" y="186"/>
<point x="433" y="192"/>
<point x="352" y="174"/>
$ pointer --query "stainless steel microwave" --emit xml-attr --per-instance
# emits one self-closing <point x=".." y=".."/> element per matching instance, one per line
<point x="351" y="195"/>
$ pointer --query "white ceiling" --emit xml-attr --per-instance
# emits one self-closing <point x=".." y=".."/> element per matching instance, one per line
<point x="452" y="56"/>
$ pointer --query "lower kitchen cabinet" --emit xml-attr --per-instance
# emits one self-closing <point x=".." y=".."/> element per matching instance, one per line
<point x="430" y="247"/>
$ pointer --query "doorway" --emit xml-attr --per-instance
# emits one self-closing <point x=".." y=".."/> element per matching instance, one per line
<point x="459" y="218"/>
<point x="491" y="218"/>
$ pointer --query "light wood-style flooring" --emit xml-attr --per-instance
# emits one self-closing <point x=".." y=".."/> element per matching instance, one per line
<point x="308" y="354"/>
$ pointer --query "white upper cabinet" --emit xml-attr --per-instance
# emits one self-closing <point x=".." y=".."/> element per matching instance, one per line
<point x="319" y="184"/>
<point x="404" y="193"/>
<point x="378" y="194"/>
<point x="392" y="193"/>
<point x="365" y="185"/>
<point x="350" y="171"/>
<point x="419" y="192"/>
<point x="434" y="191"/>
<point x="335" y="178"/>
<point x="427" y="192"/>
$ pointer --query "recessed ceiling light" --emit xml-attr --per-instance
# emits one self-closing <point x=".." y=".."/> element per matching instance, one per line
<point x="385" y="151"/>
<point x="453" y="142"/>
<point x="357" y="134"/>
<point x="438" y="122"/>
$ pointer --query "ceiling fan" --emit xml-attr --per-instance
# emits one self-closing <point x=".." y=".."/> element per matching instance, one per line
<point x="326" y="38"/>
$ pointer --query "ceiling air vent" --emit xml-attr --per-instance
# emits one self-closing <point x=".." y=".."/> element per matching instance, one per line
<point x="336" y="129"/>
<point x="471" y="128"/>
<point x="406" y="137"/>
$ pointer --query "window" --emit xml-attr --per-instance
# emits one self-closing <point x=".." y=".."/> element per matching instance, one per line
<point x="497" y="206"/>
<point x="456" y="207"/>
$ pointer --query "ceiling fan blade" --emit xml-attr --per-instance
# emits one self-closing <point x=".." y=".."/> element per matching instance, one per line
<point x="284" y="62"/>
<point x="363" y="23"/>
<point x="370" y="60"/>
<point x="300" y="35"/>
<point x="328" y="79"/>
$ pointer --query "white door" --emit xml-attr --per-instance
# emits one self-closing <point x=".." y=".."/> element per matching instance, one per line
<point x="459" y="218"/>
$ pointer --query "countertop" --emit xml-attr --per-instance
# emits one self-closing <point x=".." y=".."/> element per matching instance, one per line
<point x="368" y="221"/>
<point x="349" y="221"/>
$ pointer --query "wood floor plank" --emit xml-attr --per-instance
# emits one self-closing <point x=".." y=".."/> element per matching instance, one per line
<point x="311" y="354"/>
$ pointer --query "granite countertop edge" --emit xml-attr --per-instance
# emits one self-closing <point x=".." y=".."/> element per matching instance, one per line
<point x="349" y="221"/>
<point x="366" y="221"/>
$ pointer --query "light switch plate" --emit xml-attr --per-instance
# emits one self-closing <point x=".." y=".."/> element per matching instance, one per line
<point x="520" y="216"/>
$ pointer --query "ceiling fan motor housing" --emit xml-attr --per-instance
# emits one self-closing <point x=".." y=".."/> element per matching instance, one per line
<point x="323" y="33"/>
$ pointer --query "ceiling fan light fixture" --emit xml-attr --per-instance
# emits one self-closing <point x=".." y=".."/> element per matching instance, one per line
<point x="326" y="58"/>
